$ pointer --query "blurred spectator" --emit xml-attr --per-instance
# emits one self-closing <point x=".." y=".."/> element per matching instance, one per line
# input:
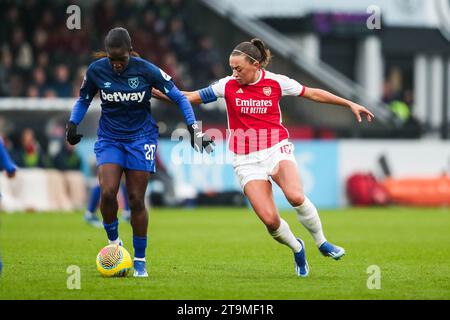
<point x="32" y="92"/>
<point x="21" y="50"/>
<point x="400" y="102"/>
<point x="105" y="13"/>
<point x="16" y="85"/>
<point x="39" y="80"/>
<point x="217" y="70"/>
<point x="393" y="85"/>
<point x="48" y="19"/>
<point x="412" y="126"/>
<point x="5" y="70"/>
<point x="149" y="22"/>
<point x="179" y="40"/>
<point x="400" y="109"/>
<point x="50" y="93"/>
<point x="42" y="59"/>
<point x="170" y="66"/>
<point x="128" y="8"/>
<point x="29" y="153"/>
<point x="61" y="85"/>
<point x="205" y="58"/>
<point x="11" y="20"/>
<point x="393" y="97"/>
<point x="67" y="158"/>
<point x="40" y="39"/>
<point x="387" y="92"/>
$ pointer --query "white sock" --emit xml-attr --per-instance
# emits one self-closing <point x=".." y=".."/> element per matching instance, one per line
<point x="139" y="259"/>
<point x="285" y="236"/>
<point x="117" y="241"/>
<point x="309" y="217"/>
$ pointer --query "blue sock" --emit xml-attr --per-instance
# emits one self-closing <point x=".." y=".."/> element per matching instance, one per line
<point x="112" y="230"/>
<point x="94" y="199"/>
<point x="139" y="244"/>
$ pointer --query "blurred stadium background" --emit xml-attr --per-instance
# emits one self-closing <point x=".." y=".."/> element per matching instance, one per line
<point x="399" y="70"/>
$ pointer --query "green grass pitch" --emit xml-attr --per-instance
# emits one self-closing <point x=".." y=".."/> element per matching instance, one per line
<point x="226" y="253"/>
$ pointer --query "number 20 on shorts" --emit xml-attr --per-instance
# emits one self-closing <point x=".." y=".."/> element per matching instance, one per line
<point x="150" y="151"/>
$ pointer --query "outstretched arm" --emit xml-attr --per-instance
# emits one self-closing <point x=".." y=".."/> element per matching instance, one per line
<point x="199" y="140"/>
<point x="205" y="95"/>
<point x="183" y="103"/>
<point x="324" y="96"/>
<point x="192" y="96"/>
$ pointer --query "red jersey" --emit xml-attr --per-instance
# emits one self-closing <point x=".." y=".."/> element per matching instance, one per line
<point x="253" y="110"/>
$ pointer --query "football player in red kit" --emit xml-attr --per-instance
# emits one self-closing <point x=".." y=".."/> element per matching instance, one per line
<point x="260" y="143"/>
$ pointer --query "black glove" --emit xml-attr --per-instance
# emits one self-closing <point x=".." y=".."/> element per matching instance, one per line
<point x="199" y="140"/>
<point x="71" y="133"/>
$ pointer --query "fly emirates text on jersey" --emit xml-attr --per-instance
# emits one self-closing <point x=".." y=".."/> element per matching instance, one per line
<point x="253" y="106"/>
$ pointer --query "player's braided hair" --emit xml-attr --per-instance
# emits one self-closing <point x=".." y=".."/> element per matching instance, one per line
<point x="117" y="38"/>
<point x="254" y="50"/>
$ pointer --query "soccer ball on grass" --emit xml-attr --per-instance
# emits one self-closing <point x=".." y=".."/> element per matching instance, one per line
<point x="114" y="261"/>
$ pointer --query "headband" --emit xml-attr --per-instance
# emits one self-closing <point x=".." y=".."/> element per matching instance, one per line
<point x="245" y="54"/>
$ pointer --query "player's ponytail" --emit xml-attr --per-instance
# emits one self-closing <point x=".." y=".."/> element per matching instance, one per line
<point x="134" y="54"/>
<point x="254" y="50"/>
<point x="266" y="55"/>
<point x="99" y="54"/>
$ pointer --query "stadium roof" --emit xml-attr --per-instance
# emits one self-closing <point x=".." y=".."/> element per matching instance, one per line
<point x="398" y="13"/>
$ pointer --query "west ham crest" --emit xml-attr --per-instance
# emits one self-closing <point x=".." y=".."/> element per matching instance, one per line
<point x="133" y="82"/>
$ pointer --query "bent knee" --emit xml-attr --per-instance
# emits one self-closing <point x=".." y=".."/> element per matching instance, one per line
<point x="272" y="223"/>
<point x="295" y="198"/>
<point x="136" y="203"/>
<point x="109" y="195"/>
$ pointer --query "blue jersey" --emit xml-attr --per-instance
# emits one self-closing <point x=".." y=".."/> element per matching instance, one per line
<point x="125" y="98"/>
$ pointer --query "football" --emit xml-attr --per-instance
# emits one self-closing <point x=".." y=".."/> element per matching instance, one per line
<point x="114" y="261"/>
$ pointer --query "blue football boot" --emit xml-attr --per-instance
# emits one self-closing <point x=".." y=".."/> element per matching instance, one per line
<point x="301" y="265"/>
<point x="139" y="269"/>
<point x="330" y="250"/>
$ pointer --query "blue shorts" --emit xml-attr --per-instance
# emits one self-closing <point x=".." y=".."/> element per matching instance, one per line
<point x="133" y="155"/>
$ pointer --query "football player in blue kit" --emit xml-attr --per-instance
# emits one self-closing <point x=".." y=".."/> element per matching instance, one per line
<point x="127" y="132"/>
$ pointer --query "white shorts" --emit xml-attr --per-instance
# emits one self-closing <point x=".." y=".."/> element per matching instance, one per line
<point x="260" y="165"/>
